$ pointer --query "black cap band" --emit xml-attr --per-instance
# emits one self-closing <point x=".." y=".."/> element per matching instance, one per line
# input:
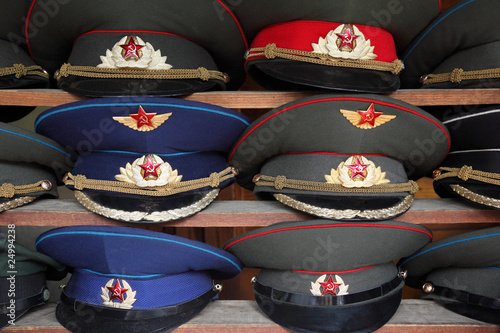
<point x="122" y="314"/>
<point x="327" y="300"/>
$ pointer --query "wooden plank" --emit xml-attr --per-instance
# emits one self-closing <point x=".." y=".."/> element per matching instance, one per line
<point x="264" y="99"/>
<point x="67" y="212"/>
<point x="241" y="214"/>
<point x="245" y="316"/>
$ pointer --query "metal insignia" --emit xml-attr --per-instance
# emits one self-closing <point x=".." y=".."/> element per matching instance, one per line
<point x="113" y="295"/>
<point x="148" y="171"/>
<point x="142" y="121"/>
<point x="347" y="42"/>
<point x="357" y="171"/>
<point x="133" y="52"/>
<point x="324" y="286"/>
<point x="366" y="119"/>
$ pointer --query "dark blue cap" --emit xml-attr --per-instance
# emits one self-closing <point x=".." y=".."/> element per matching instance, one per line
<point x="163" y="148"/>
<point x="130" y="275"/>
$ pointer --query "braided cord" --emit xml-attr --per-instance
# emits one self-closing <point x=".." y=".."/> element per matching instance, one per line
<point x="19" y="70"/>
<point x="281" y="182"/>
<point x="271" y="51"/>
<point x="154" y="74"/>
<point x="458" y="75"/>
<point x="8" y="190"/>
<point x="81" y="182"/>
<point x="465" y="173"/>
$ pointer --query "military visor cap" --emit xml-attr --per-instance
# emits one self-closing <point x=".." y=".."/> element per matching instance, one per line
<point x="145" y="158"/>
<point x="317" y="275"/>
<point x="340" y="156"/>
<point x="31" y="166"/>
<point x="461" y="272"/>
<point x="23" y="275"/>
<point x="138" y="48"/>
<point x="134" y="280"/>
<point x="471" y="170"/>
<point x="17" y="69"/>
<point x="457" y="49"/>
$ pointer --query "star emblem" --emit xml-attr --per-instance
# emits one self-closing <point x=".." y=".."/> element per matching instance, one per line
<point x="143" y="118"/>
<point x="357" y="168"/>
<point x="131" y="49"/>
<point x="369" y="116"/>
<point x="329" y="286"/>
<point x="150" y="168"/>
<point x="347" y="38"/>
<point x="117" y="292"/>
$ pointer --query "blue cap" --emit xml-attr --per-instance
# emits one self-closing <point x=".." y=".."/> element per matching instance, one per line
<point x="145" y="158"/>
<point x="133" y="279"/>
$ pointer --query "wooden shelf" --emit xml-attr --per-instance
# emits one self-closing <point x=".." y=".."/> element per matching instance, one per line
<point x="441" y="213"/>
<point x="264" y="99"/>
<point x="245" y="316"/>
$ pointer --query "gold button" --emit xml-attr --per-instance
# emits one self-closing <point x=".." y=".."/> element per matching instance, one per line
<point x="235" y="170"/>
<point x="436" y="173"/>
<point x="428" y="288"/>
<point x="46" y="185"/>
<point x="256" y="178"/>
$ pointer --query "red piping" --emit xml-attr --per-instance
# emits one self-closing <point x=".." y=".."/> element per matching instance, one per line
<point x="330" y="226"/>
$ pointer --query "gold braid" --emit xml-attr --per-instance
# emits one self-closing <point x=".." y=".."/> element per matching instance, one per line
<point x="458" y="75"/>
<point x="281" y="182"/>
<point x="19" y="70"/>
<point x="271" y="51"/>
<point x="8" y="190"/>
<point x="81" y="182"/>
<point x="154" y="74"/>
<point x="465" y="173"/>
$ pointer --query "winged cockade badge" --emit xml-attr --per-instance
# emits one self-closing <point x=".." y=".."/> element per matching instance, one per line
<point x="366" y="119"/>
<point x="142" y="121"/>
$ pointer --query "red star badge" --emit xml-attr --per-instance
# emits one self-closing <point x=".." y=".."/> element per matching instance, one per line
<point x="347" y="38"/>
<point x="131" y="49"/>
<point x="369" y="116"/>
<point x="117" y="292"/>
<point x="329" y="286"/>
<point x="143" y="118"/>
<point x="150" y="168"/>
<point x="357" y="168"/>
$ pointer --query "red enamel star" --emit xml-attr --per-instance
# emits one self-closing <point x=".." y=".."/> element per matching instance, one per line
<point x="150" y="168"/>
<point x="357" y="168"/>
<point x="329" y="286"/>
<point x="347" y="38"/>
<point x="369" y="116"/>
<point x="117" y="292"/>
<point x="131" y="49"/>
<point x="143" y="118"/>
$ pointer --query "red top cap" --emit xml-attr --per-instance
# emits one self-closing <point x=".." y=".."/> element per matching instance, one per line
<point x="349" y="41"/>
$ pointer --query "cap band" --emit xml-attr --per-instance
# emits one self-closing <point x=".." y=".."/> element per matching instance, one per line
<point x="466" y="297"/>
<point x="328" y="43"/>
<point x="167" y="311"/>
<point x="327" y="300"/>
